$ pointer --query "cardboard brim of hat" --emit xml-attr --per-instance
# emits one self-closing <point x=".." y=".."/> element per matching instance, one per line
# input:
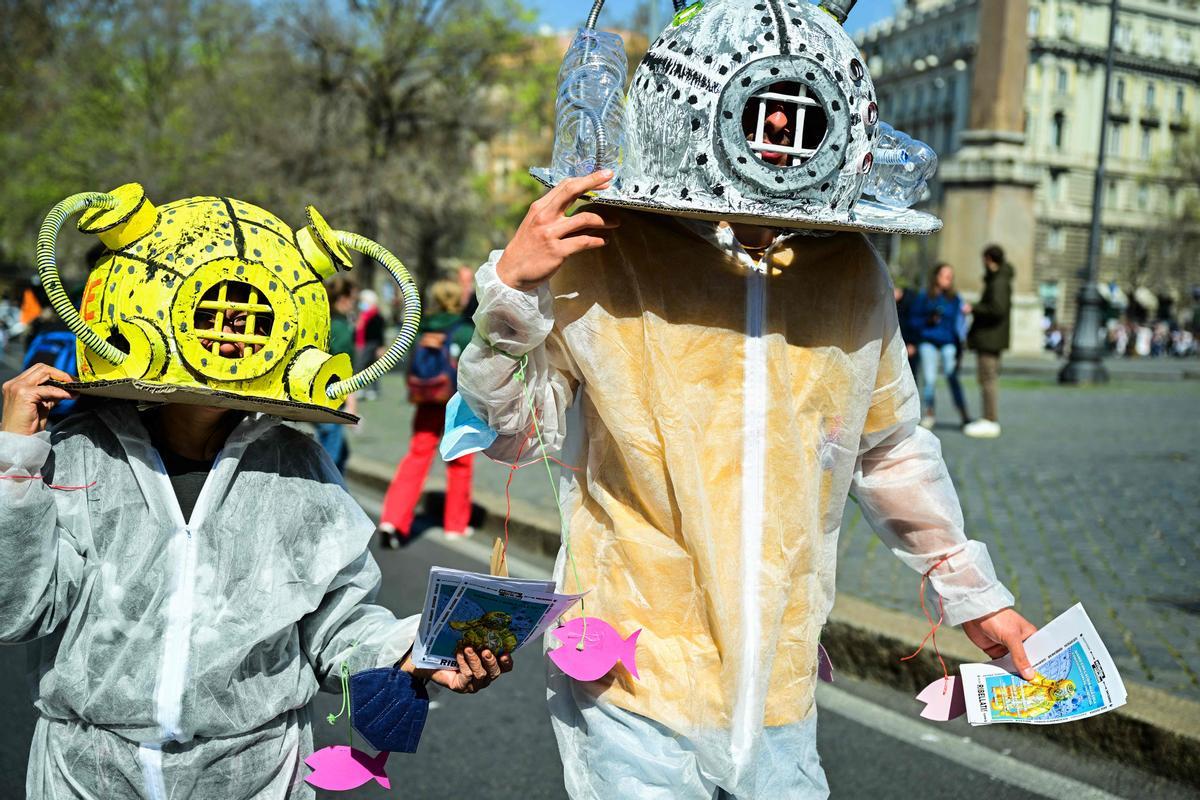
<point x="865" y="217"/>
<point x="141" y="391"/>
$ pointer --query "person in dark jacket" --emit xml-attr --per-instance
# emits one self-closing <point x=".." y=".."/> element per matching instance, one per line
<point x="989" y="337"/>
<point x="934" y="316"/>
<point x="904" y="299"/>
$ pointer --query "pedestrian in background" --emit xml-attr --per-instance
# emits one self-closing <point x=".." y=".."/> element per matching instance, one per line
<point x="343" y="294"/>
<point x="935" y="316"/>
<point x="989" y="337"/>
<point x="905" y="295"/>
<point x="368" y="336"/>
<point x="432" y="380"/>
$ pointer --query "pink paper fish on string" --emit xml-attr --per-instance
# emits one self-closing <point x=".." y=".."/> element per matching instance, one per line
<point x="824" y="665"/>
<point x="943" y="700"/>
<point x="603" y="647"/>
<point x="340" y="768"/>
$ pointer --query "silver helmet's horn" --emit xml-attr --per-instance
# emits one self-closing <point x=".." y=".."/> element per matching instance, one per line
<point x="840" y="9"/>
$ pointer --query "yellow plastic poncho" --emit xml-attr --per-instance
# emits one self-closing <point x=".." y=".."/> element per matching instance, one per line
<point x="718" y="412"/>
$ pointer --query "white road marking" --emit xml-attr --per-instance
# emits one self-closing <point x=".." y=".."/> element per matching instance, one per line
<point x="958" y="749"/>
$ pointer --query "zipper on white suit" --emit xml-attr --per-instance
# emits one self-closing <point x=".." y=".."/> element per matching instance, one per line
<point x="746" y="712"/>
<point x="182" y="560"/>
<point x="177" y="636"/>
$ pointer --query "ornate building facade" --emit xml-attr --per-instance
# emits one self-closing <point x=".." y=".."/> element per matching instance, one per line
<point x="924" y="62"/>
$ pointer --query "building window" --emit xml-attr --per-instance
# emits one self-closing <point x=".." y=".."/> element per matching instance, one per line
<point x="1179" y="101"/>
<point x="1119" y="91"/>
<point x="1154" y="41"/>
<point x="1066" y="24"/>
<point x="1124" y="36"/>
<point x="1111" y="194"/>
<point x="1058" y="128"/>
<point x="1035" y="16"/>
<point x="1048" y="291"/>
<point x="1114" y="139"/>
<point x="1056" y="240"/>
<point x="1111" y="244"/>
<point x="1143" y="197"/>
<point x="1062" y="83"/>
<point x="1144" y="150"/>
<point x="1058" y="182"/>
<point x="1183" y="48"/>
<point x="1150" y="94"/>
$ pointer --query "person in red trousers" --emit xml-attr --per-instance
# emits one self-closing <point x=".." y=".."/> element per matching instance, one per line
<point x="432" y="379"/>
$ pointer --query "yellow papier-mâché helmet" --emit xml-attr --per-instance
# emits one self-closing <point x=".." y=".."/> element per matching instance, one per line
<point x="214" y="301"/>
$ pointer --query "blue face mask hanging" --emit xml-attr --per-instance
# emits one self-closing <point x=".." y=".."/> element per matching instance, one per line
<point x="465" y="432"/>
<point x="388" y="708"/>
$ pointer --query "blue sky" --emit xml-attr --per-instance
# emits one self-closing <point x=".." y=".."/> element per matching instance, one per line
<point x="571" y="13"/>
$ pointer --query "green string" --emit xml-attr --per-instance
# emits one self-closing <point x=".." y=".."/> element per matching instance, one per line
<point x="522" y="363"/>
<point x="344" y="671"/>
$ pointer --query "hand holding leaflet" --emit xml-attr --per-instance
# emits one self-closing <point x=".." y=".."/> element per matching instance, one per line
<point x="1074" y="678"/>
<point x="483" y="612"/>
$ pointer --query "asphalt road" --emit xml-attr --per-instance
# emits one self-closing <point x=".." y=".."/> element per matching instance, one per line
<point x="499" y="744"/>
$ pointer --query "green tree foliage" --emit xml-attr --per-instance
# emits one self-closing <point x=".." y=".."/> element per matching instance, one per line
<point x="373" y="110"/>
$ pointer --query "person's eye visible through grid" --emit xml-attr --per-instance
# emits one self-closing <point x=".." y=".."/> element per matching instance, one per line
<point x="233" y="309"/>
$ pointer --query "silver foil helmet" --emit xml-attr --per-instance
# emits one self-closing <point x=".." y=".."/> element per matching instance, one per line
<point x="687" y="151"/>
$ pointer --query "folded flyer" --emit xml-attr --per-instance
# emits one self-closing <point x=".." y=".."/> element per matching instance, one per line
<point x="469" y="609"/>
<point x="1075" y="678"/>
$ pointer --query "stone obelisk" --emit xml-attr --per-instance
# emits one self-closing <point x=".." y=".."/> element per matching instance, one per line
<point x="988" y="184"/>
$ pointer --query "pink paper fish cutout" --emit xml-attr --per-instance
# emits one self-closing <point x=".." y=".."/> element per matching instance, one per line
<point x="943" y="700"/>
<point x="824" y="665"/>
<point x="603" y="647"/>
<point x="340" y="768"/>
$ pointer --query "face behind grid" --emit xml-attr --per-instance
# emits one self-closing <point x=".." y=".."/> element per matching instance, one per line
<point x="233" y="319"/>
<point x="784" y="124"/>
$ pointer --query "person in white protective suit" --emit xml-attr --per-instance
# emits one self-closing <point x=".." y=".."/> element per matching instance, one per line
<point x="718" y="388"/>
<point x="189" y="576"/>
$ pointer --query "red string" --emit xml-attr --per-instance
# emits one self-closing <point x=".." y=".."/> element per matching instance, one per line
<point x="49" y="485"/>
<point x="512" y="471"/>
<point x="932" y="635"/>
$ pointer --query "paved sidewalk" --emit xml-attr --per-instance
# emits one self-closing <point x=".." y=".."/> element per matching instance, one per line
<point x="1090" y="495"/>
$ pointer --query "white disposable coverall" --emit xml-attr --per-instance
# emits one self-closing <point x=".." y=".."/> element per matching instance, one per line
<point x="721" y="411"/>
<point x="175" y="658"/>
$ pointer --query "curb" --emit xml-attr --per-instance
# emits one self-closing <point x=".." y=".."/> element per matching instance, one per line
<point x="1156" y="731"/>
<point x="1116" y="371"/>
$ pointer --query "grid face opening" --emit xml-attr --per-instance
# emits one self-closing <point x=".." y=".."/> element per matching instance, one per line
<point x="801" y="137"/>
<point x="233" y="312"/>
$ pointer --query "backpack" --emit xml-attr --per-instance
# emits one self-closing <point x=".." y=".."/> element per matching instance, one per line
<point x="56" y="348"/>
<point x="433" y="369"/>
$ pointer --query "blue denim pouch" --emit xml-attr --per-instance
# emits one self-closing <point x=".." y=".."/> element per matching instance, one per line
<point x="388" y="707"/>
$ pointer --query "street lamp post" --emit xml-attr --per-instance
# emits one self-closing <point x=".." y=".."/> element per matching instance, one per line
<point x="1085" y="364"/>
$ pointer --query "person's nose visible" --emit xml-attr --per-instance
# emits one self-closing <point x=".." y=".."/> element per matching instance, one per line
<point x="776" y="120"/>
<point x="230" y="349"/>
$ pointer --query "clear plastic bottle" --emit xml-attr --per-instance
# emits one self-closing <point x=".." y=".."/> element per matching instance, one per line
<point x="901" y="169"/>
<point x="589" y="130"/>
